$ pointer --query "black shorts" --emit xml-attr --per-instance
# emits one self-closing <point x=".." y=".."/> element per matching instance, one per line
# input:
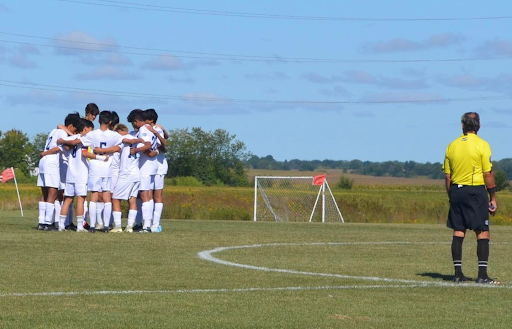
<point x="469" y="208"/>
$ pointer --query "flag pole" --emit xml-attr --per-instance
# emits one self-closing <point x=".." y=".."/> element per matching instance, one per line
<point x="17" y="191"/>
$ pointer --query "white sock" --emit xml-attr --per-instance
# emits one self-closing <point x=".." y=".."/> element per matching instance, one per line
<point x="42" y="212"/>
<point x="92" y="214"/>
<point x="57" y="205"/>
<point x="61" y="222"/>
<point x="48" y="217"/>
<point x="99" y="210"/>
<point x="157" y="214"/>
<point x="138" y="218"/>
<point x="117" y="218"/>
<point x="147" y="214"/>
<point x="79" y="223"/>
<point x="132" y="214"/>
<point x="107" y="212"/>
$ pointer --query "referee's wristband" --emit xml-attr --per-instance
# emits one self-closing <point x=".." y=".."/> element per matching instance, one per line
<point x="491" y="190"/>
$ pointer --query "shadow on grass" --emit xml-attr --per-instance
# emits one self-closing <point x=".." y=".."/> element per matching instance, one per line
<point x="432" y="275"/>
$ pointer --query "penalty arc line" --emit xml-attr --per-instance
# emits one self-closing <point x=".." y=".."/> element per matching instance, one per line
<point x="208" y="256"/>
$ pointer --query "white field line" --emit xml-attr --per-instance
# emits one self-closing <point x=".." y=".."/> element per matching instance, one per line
<point x="207" y="255"/>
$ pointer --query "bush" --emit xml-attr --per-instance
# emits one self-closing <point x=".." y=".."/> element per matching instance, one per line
<point x="185" y="181"/>
<point x="345" y="183"/>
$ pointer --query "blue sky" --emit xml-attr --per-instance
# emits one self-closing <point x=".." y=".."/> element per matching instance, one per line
<point x="342" y="80"/>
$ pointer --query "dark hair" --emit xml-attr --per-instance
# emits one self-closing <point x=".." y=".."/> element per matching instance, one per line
<point x="150" y="114"/>
<point x="84" y="123"/>
<point x="133" y="113"/>
<point x="72" y="119"/>
<point x="115" y="120"/>
<point x="470" y="122"/>
<point x="92" y="109"/>
<point x="137" y="117"/>
<point x="105" y="117"/>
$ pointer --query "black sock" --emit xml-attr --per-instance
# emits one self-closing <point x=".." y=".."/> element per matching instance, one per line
<point x="482" y="251"/>
<point x="457" y="254"/>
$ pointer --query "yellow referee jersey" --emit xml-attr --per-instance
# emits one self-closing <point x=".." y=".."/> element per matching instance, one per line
<point x="466" y="159"/>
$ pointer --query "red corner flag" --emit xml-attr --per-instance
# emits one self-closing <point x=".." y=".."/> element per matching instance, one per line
<point x="319" y="180"/>
<point x="7" y="175"/>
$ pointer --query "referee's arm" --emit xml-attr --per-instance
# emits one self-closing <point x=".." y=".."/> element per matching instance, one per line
<point x="490" y="184"/>
<point x="448" y="182"/>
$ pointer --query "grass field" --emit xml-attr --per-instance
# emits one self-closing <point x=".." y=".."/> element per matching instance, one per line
<point x="293" y="275"/>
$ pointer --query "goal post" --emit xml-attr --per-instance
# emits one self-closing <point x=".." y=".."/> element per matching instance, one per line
<point x="294" y="199"/>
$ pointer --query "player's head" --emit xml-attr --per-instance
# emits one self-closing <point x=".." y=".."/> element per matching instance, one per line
<point x="121" y="129"/>
<point x="105" y="118"/>
<point x="91" y="111"/>
<point x="115" y="120"/>
<point x="138" y="121"/>
<point x="132" y="113"/>
<point x="72" y="121"/>
<point x="85" y="126"/>
<point x="470" y="122"/>
<point x="150" y="116"/>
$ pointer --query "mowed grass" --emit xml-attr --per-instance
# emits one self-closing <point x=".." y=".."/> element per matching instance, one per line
<point x="158" y="280"/>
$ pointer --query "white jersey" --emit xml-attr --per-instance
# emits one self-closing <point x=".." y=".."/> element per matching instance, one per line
<point x="129" y="163"/>
<point x="160" y="158"/>
<point x="114" y="166"/>
<point x="104" y="139"/>
<point x="148" y="165"/>
<point x="50" y="163"/>
<point x="78" y="166"/>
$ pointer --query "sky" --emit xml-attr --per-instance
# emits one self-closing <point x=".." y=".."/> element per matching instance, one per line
<point x="339" y="80"/>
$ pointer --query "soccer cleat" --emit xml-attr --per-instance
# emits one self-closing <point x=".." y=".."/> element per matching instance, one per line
<point x="86" y="225"/>
<point x="137" y="228"/>
<point x="128" y="229"/>
<point x="92" y="230"/>
<point x="145" y="230"/>
<point x="116" y="230"/>
<point x="40" y="227"/>
<point x="60" y="229"/>
<point x="71" y="227"/>
<point x="105" y="229"/>
<point x="81" y="230"/>
<point x="48" y="228"/>
<point x="99" y="227"/>
<point x="488" y="280"/>
<point x="460" y="278"/>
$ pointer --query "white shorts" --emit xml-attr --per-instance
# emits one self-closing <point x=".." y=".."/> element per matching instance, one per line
<point x="159" y="182"/>
<point x="48" y="180"/>
<point x="99" y="184"/>
<point x="124" y="190"/>
<point x="62" y="184"/>
<point x="147" y="183"/>
<point x="113" y="183"/>
<point x="73" y="189"/>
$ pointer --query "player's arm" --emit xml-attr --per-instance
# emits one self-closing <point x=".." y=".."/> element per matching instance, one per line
<point x="73" y="142"/>
<point x="59" y="126"/>
<point x="152" y="153"/>
<point x="87" y="154"/>
<point x="166" y="135"/>
<point x="50" y="151"/>
<point x="144" y="148"/>
<point x="490" y="184"/>
<point x="161" y="138"/>
<point x="131" y="141"/>
<point x="112" y="149"/>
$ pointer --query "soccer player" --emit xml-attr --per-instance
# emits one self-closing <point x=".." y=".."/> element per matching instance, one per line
<point x="49" y="172"/>
<point x="148" y="168"/>
<point x="128" y="182"/>
<point x="77" y="176"/>
<point x="151" y="117"/>
<point x="469" y="178"/>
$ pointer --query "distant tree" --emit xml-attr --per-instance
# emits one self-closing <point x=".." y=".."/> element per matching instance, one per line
<point x="345" y="182"/>
<point x="38" y="145"/>
<point x="500" y="177"/>
<point x="15" y="148"/>
<point x="212" y="157"/>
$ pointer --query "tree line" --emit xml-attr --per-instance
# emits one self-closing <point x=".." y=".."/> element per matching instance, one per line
<point x="218" y="158"/>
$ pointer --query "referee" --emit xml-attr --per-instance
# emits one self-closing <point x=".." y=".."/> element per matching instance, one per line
<point x="469" y="178"/>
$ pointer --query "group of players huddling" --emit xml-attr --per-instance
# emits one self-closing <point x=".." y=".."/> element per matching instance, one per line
<point x="109" y="163"/>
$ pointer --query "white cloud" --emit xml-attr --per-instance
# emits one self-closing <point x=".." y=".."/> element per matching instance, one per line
<point x="109" y="59"/>
<point x="164" y="63"/>
<point x="21" y="61"/>
<point x="396" y="45"/>
<point x="66" y="44"/>
<point x="107" y="73"/>
<point x="29" y="49"/>
<point x="335" y="92"/>
<point x="357" y="76"/>
<point x="321" y="79"/>
<point x="496" y="47"/>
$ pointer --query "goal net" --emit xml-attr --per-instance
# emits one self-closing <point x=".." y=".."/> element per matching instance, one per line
<point x="294" y="199"/>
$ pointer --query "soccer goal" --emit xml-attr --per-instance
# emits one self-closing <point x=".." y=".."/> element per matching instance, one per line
<point x="294" y="199"/>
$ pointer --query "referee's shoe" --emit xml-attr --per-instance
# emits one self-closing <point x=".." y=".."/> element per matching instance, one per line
<point x="488" y="280"/>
